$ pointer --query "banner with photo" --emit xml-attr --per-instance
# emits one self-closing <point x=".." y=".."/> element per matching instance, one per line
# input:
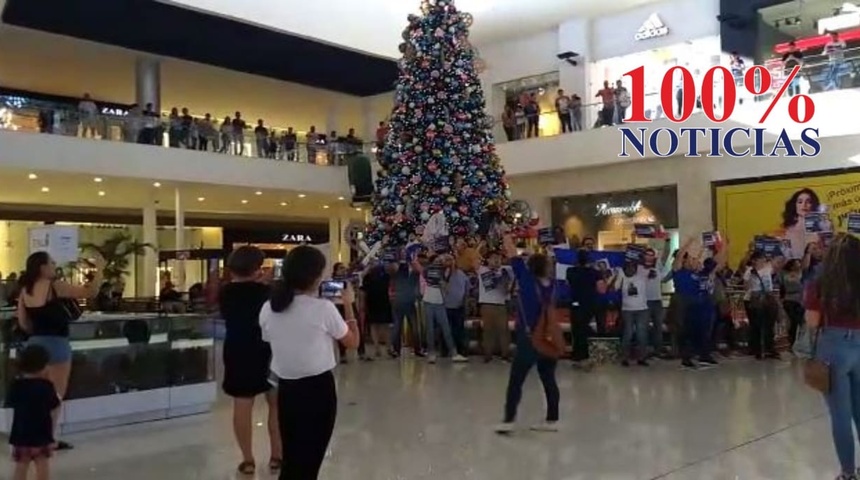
<point x="778" y="208"/>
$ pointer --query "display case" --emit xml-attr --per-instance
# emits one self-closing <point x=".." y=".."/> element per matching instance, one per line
<point x="127" y="368"/>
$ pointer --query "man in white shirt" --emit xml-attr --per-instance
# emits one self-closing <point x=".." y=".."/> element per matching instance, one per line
<point x="634" y="312"/>
<point x="760" y="306"/>
<point x="494" y="285"/>
<point x="653" y="269"/>
<point x="835" y="51"/>
<point x="89" y="116"/>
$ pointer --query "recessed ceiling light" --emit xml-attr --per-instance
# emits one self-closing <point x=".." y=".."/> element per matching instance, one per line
<point x="244" y="202"/>
<point x="156" y="184"/>
<point x="325" y="206"/>
<point x="98" y="179"/>
<point x="45" y="189"/>
<point x="32" y="176"/>
<point x="258" y="192"/>
<point x="101" y="193"/>
<point x="358" y="209"/>
<point x="341" y="198"/>
<point x="283" y="204"/>
<point x="302" y="195"/>
<point x="201" y="199"/>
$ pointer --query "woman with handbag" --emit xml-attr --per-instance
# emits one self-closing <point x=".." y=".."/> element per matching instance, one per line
<point x="538" y="336"/>
<point x="45" y="308"/>
<point x="832" y="304"/>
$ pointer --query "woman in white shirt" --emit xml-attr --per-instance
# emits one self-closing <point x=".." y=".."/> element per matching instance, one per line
<point x="300" y="327"/>
<point x="632" y="283"/>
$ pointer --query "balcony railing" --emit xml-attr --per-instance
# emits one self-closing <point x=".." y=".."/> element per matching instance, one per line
<point x="47" y="118"/>
<point x="818" y="74"/>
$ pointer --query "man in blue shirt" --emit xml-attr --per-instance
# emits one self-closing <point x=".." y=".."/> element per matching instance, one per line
<point x="586" y="284"/>
<point x="693" y="288"/>
<point x="405" y="286"/>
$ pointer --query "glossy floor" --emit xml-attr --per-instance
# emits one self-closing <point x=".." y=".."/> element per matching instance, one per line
<point x="406" y="420"/>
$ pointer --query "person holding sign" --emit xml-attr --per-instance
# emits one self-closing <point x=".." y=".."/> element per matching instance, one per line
<point x="536" y="291"/>
<point x="653" y="266"/>
<point x="404" y="295"/>
<point x="435" y="314"/>
<point x="634" y="312"/>
<point x="494" y="284"/>
<point x="761" y="306"/>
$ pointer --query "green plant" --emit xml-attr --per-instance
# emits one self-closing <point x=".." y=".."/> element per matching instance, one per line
<point x="118" y="251"/>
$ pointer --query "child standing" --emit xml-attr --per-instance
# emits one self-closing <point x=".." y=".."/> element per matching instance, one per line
<point x="32" y="398"/>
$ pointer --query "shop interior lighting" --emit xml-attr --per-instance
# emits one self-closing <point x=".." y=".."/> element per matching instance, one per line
<point x="201" y="199"/>
<point x="341" y="198"/>
<point x="102" y="193"/>
<point x="244" y="202"/>
<point x="283" y="204"/>
<point x="325" y="206"/>
<point x="258" y="192"/>
<point x="156" y="184"/>
<point x="302" y="195"/>
<point x="32" y="176"/>
<point x="98" y="180"/>
<point x="45" y="189"/>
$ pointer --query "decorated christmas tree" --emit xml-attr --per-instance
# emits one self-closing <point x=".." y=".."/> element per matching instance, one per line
<point x="439" y="168"/>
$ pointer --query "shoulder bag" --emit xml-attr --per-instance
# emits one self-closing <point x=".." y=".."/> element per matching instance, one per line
<point x="547" y="337"/>
<point x="70" y="306"/>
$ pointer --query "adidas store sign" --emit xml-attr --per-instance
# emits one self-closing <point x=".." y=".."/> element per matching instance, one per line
<point x="652" y="28"/>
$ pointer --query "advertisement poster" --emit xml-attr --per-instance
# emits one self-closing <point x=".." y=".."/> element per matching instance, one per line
<point x="778" y="208"/>
<point x="60" y="241"/>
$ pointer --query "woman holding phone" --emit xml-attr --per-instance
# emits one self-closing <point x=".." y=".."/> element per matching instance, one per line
<point x="300" y="327"/>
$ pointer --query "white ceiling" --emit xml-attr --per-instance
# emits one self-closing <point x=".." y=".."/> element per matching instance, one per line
<point x="83" y="192"/>
<point x="808" y="10"/>
<point x="375" y="26"/>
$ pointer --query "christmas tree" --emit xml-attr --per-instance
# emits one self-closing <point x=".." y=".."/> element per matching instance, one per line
<point x="439" y="158"/>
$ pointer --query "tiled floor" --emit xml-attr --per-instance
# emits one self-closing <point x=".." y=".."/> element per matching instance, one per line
<point x="745" y="420"/>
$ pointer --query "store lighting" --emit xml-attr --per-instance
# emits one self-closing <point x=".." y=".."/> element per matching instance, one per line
<point x="201" y="199"/>
<point x="341" y="198"/>
<point x="258" y="192"/>
<point x="101" y="193"/>
<point x="244" y="202"/>
<point x="325" y="206"/>
<point x="358" y="209"/>
<point x="302" y="195"/>
<point x="45" y="189"/>
<point x="283" y="204"/>
<point x="32" y="176"/>
<point x="156" y="184"/>
<point x="98" y="179"/>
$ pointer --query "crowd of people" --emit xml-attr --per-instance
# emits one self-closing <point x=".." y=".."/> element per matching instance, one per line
<point x="145" y="125"/>
<point x="281" y="332"/>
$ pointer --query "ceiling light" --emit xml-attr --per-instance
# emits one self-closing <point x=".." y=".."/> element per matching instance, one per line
<point x="101" y="193"/>
<point x="258" y="192"/>
<point x="341" y="198"/>
<point x="45" y="189"/>
<point x="325" y="206"/>
<point x="283" y="204"/>
<point x="156" y="184"/>
<point x="302" y="195"/>
<point x="244" y="202"/>
<point x="98" y="179"/>
<point x="201" y="199"/>
<point x="358" y="209"/>
<point x="32" y="176"/>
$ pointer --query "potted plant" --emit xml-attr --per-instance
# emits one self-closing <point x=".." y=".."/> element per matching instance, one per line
<point x="118" y="251"/>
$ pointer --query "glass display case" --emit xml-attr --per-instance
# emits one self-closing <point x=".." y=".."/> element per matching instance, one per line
<point x="127" y="368"/>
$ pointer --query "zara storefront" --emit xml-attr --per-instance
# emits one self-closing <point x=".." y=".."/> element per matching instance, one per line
<point x="657" y="37"/>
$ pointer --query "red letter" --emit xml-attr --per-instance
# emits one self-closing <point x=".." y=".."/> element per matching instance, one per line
<point x="729" y="94"/>
<point x="637" y="95"/>
<point x="667" y="95"/>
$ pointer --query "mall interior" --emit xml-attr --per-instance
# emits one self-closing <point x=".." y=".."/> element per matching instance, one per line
<point x="93" y="157"/>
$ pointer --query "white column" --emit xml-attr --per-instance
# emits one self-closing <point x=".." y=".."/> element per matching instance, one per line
<point x="574" y="36"/>
<point x="150" y="256"/>
<point x="148" y="82"/>
<point x="335" y="232"/>
<point x="179" y="271"/>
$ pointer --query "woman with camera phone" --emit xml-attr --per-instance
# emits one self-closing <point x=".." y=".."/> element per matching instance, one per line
<point x="300" y="327"/>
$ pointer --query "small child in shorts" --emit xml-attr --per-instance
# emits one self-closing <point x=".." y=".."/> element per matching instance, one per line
<point x="32" y="398"/>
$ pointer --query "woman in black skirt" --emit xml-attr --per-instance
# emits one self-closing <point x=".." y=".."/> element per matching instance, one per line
<point x="246" y="356"/>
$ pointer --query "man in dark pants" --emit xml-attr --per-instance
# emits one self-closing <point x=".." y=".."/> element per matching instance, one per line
<point x="455" y="305"/>
<point x="586" y="284"/>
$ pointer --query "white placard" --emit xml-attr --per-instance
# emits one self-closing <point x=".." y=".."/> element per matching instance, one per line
<point x="60" y="241"/>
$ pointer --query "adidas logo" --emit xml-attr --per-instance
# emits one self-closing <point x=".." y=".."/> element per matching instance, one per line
<point x="653" y="27"/>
